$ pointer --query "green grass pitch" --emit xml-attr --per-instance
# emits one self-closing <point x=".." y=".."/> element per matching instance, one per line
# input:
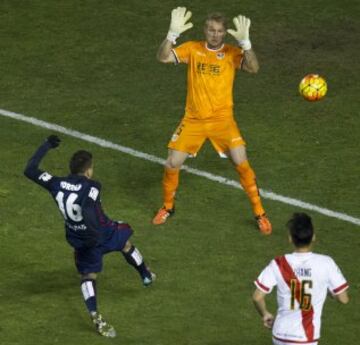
<point x="90" y="66"/>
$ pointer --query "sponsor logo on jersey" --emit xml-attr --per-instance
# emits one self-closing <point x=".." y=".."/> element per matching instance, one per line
<point x="75" y="227"/>
<point x="205" y="68"/>
<point x="69" y="186"/>
<point x="220" y="56"/>
<point x="93" y="194"/>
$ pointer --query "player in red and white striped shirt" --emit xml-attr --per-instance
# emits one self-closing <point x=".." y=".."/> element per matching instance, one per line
<point x="303" y="280"/>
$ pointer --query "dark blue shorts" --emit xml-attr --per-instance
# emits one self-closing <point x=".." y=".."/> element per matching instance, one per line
<point x="89" y="260"/>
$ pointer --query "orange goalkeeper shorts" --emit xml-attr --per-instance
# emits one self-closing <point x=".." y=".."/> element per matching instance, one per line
<point x="190" y="135"/>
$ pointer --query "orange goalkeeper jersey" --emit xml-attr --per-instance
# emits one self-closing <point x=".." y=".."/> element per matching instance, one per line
<point x="210" y="79"/>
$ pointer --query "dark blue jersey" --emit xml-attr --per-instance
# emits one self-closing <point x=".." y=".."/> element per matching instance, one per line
<point x="78" y="199"/>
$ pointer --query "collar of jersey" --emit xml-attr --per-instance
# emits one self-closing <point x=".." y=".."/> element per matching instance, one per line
<point x="76" y="176"/>
<point x="214" y="50"/>
<point x="302" y="254"/>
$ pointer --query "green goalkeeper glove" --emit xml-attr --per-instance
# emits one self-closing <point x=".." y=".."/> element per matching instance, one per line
<point x="242" y="25"/>
<point x="179" y="17"/>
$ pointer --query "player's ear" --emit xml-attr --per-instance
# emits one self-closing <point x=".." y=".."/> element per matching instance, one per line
<point x="89" y="172"/>
<point x="290" y="239"/>
<point x="313" y="238"/>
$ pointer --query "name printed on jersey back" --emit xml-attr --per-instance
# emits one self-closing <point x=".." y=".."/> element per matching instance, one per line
<point x="71" y="187"/>
<point x="302" y="272"/>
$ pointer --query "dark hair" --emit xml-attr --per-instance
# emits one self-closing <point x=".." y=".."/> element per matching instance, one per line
<point x="217" y="17"/>
<point x="80" y="162"/>
<point x="301" y="229"/>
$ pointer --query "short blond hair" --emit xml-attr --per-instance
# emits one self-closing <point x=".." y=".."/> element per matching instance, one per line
<point x="216" y="17"/>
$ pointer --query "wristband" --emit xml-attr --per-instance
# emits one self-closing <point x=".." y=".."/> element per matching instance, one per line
<point x="172" y="36"/>
<point x="245" y="44"/>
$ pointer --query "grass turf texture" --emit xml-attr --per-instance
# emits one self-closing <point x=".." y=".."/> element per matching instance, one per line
<point x="91" y="66"/>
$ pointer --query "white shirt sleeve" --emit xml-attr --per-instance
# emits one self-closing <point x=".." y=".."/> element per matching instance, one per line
<point x="267" y="279"/>
<point x="337" y="282"/>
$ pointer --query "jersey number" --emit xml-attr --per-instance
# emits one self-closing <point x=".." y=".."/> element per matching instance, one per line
<point x="68" y="208"/>
<point x="299" y="290"/>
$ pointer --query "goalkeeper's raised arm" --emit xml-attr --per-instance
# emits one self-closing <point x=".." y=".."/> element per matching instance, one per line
<point x="178" y="24"/>
<point x="241" y="34"/>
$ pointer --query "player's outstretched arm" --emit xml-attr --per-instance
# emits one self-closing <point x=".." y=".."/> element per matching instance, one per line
<point x="242" y="35"/>
<point x="32" y="170"/>
<point x="178" y="24"/>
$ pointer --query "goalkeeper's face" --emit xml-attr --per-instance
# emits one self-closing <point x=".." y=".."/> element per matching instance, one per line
<point x="214" y="33"/>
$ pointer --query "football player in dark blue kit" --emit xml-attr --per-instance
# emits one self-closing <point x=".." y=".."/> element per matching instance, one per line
<point x="88" y="230"/>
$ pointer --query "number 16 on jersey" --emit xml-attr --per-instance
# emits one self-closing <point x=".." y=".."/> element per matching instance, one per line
<point x="299" y="292"/>
<point x="69" y="209"/>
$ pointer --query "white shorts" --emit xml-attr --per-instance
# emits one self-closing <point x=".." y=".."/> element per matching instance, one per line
<point x="278" y="342"/>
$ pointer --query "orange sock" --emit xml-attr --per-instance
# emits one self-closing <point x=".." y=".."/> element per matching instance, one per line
<point x="170" y="184"/>
<point x="248" y="182"/>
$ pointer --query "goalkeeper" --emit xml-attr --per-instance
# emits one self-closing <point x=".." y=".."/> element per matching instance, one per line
<point x="212" y="66"/>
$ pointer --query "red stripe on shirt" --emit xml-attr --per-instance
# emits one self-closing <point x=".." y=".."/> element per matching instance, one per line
<point x="295" y="341"/>
<point x="307" y="315"/>
<point x="262" y="286"/>
<point x="341" y="287"/>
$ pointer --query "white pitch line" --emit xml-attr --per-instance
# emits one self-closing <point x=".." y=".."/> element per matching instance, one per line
<point x="220" y="179"/>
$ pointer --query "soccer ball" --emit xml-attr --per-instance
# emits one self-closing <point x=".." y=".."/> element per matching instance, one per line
<point x="313" y="87"/>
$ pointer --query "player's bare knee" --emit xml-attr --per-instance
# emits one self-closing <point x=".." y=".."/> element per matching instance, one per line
<point x="91" y="276"/>
<point x="175" y="159"/>
<point x="127" y="247"/>
<point x="173" y="163"/>
<point x="238" y="155"/>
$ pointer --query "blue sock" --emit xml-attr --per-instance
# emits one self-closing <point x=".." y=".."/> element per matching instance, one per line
<point x="135" y="259"/>
<point x="88" y="289"/>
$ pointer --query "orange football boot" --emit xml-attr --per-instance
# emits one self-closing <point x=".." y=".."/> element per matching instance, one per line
<point x="264" y="224"/>
<point x="162" y="215"/>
